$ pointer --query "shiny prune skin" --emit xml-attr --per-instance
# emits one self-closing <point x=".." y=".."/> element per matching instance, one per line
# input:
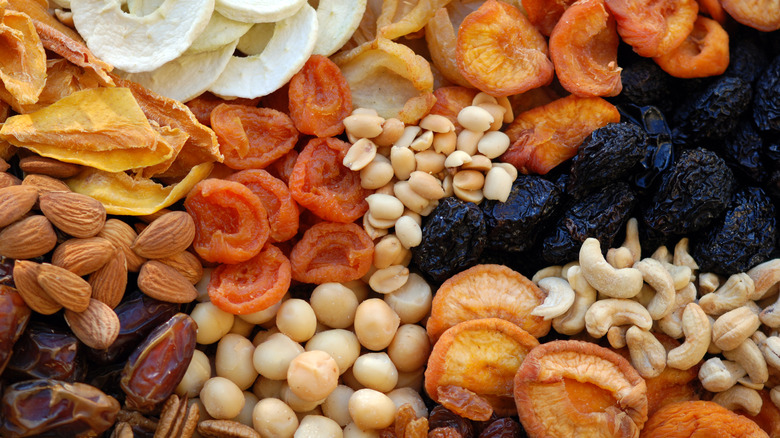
<point x="744" y="237"/>
<point x="453" y="237"/>
<point x="601" y="215"/>
<point x="691" y="194"/>
<point x="659" y="154"/>
<point x="766" y="104"/>
<point x="514" y="225"/>
<point x="645" y="83"/>
<point x="47" y="352"/>
<point x="743" y="152"/>
<point x="503" y="428"/>
<point x="14" y="320"/>
<point x="443" y="417"/>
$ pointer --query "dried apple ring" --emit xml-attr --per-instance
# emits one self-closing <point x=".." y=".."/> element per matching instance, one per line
<point x="653" y="27"/>
<point x="699" y="418"/>
<point x="500" y="52"/>
<point x="576" y="388"/>
<point x="487" y="291"/>
<point x="481" y="356"/>
<point x="583" y="48"/>
<point x="399" y="18"/>
<point x="441" y="40"/>
<point x="705" y="52"/>
<point x="763" y="15"/>
<point x="544" y="14"/>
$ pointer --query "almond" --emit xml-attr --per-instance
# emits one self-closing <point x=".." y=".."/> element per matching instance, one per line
<point x="110" y="281"/>
<point x="15" y="202"/>
<point x="28" y="238"/>
<point x="65" y="287"/>
<point x="8" y="180"/>
<point x="96" y="327"/>
<point x="48" y="166"/>
<point x="45" y="184"/>
<point x="165" y="283"/>
<point x="167" y="235"/>
<point x="122" y="236"/>
<point x="83" y="256"/>
<point x="26" y="280"/>
<point x="73" y="213"/>
<point x="187" y="264"/>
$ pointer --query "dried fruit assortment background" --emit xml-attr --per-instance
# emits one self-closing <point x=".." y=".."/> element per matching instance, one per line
<point x="415" y="234"/>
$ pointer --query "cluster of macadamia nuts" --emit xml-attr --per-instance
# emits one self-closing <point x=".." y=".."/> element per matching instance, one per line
<point x="733" y="322"/>
<point x="338" y="364"/>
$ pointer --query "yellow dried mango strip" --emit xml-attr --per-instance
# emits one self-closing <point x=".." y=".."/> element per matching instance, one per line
<point x="6" y="150"/>
<point x="22" y="57"/>
<point x="176" y="138"/>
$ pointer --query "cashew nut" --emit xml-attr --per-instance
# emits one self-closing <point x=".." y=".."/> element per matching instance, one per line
<point x="708" y="282"/>
<point x="749" y="356"/>
<point x="671" y="324"/>
<point x="733" y="327"/>
<point x="645" y="295"/>
<point x="713" y="349"/>
<point x="648" y="355"/>
<point x="620" y="257"/>
<point x="734" y="293"/>
<point x="696" y="328"/>
<point x="740" y="397"/>
<point x="770" y="316"/>
<point x="560" y="297"/>
<point x="771" y="351"/>
<point x="717" y="375"/>
<point x="573" y="321"/>
<point x="682" y="257"/>
<point x="632" y="239"/>
<point x="662" y="254"/>
<point x="654" y="274"/>
<point x="550" y="271"/>
<point x="681" y="275"/>
<point x="615" y="283"/>
<point x="604" y="314"/>
<point x="774" y="395"/>
<point x="566" y="267"/>
<point x="616" y="335"/>
<point x="766" y="277"/>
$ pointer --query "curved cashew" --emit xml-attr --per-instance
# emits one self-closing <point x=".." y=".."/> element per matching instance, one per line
<point x="616" y="283"/>
<point x="771" y="351"/>
<point x="604" y="314"/>
<point x="662" y="254"/>
<point x="654" y="274"/>
<point x="734" y="293"/>
<point x="671" y="324"/>
<point x="647" y="353"/>
<point x="681" y="275"/>
<point x="645" y="295"/>
<point x="733" y="327"/>
<point x="620" y="257"/>
<point x="774" y="395"/>
<point x="749" y="356"/>
<point x="696" y="327"/>
<point x="566" y="267"/>
<point x="713" y="349"/>
<point x="771" y="314"/>
<point x="616" y="335"/>
<point x="632" y="239"/>
<point x="682" y="257"/>
<point x="573" y="321"/>
<point x="717" y="375"/>
<point x="708" y="282"/>
<point x="766" y="277"/>
<point x="560" y="297"/>
<point x="550" y="271"/>
<point x="740" y="397"/>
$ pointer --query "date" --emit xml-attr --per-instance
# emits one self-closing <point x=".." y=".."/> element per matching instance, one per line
<point x="16" y="315"/>
<point x="44" y="351"/>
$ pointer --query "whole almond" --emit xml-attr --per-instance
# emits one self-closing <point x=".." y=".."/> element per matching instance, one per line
<point x="109" y="282"/>
<point x="187" y="264"/>
<point x="65" y="287"/>
<point x="45" y="184"/>
<point x="8" y="180"/>
<point x="26" y="280"/>
<point x="165" y="283"/>
<point x="73" y="213"/>
<point x="97" y="326"/>
<point x="149" y="218"/>
<point x="169" y="234"/>
<point x="28" y="238"/>
<point x="48" y="166"/>
<point x="122" y="236"/>
<point x="83" y="256"/>
<point x="15" y="202"/>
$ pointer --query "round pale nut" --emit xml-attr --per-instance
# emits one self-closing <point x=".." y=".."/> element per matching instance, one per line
<point x="509" y="114"/>
<point x="423" y="142"/>
<point x="389" y="279"/>
<point x="384" y="206"/>
<point x="426" y="185"/>
<point x="475" y="196"/>
<point x="403" y="162"/>
<point x="468" y="180"/>
<point x="392" y="130"/>
<point x="413" y="201"/>
<point x="479" y="163"/>
<point x="377" y="173"/>
<point x="387" y="251"/>
<point x="493" y="144"/>
<point x="359" y="154"/>
<point x="436" y="123"/>
<point x="408" y="136"/>
<point x="446" y="184"/>
<point x="468" y="140"/>
<point x="378" y="224"/>
<point x="475" y="118"/>
<point x="457" y="158"/>
<point x="498" y="184"/>
<point x="483" y="97"/>
<point x="363" y="125"/>
<point x="430" y="161"/>
<point x="497" y="111"/>
<point x="371" y="409"/>
<point x="510" y="169"/>
<point x="445" y="142"/>
<point x="312" y="375"/>
<point x="408" y="231"/>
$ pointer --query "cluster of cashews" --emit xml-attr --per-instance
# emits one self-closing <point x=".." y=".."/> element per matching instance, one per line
<point x="734" y="320"/>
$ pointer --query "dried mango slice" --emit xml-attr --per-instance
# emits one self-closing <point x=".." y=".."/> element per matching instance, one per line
<point x="6" y="150"/>
<point x="22" y="57"/>
<point x="487" y="291"/>
<point x="173" y="137"/>
<point x="399" y="18"/>
<point x="441" y="39"/>
<point x="122" y="194"/>
<point x="577" y="388"/>
<point x="481" y="356"/>
<point x="699" y="418"/>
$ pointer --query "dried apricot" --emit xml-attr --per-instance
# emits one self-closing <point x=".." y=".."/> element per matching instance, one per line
<point x="275" y="196"/>
<point x="440" y="37"/>
<point x="487" y="291"/>
<point x="577" y="388"/>
<point x="253" y="285"/>
<point x="323" y="185"/>
<point x="500" y="52"/>
<point x="768" y="418"/>
<point x="699" y="419"/>
<point x="763" y="15"/>
<point x="332" y="252"/>
<point x="202" y="105"/>
<point x="583" y="49"/>
<point x="283" y="167"/>
<point x="653" y="27"/>
<point x="713" y="9"/>
<point x="252" y="138"/>
<point x="705" y="52"/>
<point x="319" y="98"/>
<point x="450" y="100"/>
<point x="546" y="136"/>
<point x="544" y="14"/>
<point x="231" y="224"/>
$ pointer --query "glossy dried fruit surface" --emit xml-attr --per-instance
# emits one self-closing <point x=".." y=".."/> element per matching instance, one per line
<point x="16" y="316"/>
<point x="506" y="427"/>
<point x="705" y="418"/>
<point x="319" y="98"/>
<point x="704" y="52"/>
<point x="441" y="417"/>
<point x="202" y="105"/>
<point x="332" y="252"/>
<point x="652" y="27"/>
<point x="47" y="352"/>
<point x="464" y="402"/>
<point x="276" y="198"/>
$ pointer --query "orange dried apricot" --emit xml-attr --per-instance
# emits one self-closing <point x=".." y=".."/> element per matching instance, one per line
<point x="546" y="136"/>
<point x="202" y="105"/>
<point x="544" y="14"/>
<point x="332" y="252"/>
<point x="440" y="38"/>
<point x="713" y="9"/>
<point x="653" y="27"/>
<point x="583" y="49"/>
<point x="231" y="224"/>
<point x="252" y="138"/>
<point x="283" y="167"/>
<point x="699" y="419"/>
<point x="481" y="356"/>
<point x="450" y="100"/>
<point x="487" y="291"/>
<point x="705" y="52"/>
<point x="568" y="388"/>
<point x="763" y="15"/>
<point x="500" y="52"/>
<point x="275" y="196"/>
<point x="323" y="185"/>
<point x="768" y="418"/>
<point x="253" y="285"/>
<point x="319" y="98"/>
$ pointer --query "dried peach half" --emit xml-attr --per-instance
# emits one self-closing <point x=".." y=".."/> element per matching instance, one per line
<point x="699" y="418"/>
<point x="763" y="15"/>
<point x="481" y="357"/>
<point x="653" y="27"/>
<point x="544" y="14"/>
<point x="500" y="52"/>
<point x="440" y="37"/>
<point x="577" y="388"/>
<point x="705" y="52"/>
<point x="450" y="100"/>
<point x="399" y="18"/>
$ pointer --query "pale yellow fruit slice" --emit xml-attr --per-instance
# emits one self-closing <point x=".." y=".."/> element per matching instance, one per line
<point x="258" y="11"/>
<point x="338" y="20"/>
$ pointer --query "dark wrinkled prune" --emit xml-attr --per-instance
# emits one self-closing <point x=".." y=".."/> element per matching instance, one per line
<point x="743" y="238"/>
<point x="766" y="105"/>
<point x="601" y="215"/>
<point x="46" y="352"/>
<point x="14" y="319"/>
<point x="503" y="428"/>
<point x="608" y="154"/>
<point x="659" y="151"/>
<point x="772" y="182"/>
<point x="747" y="59"/>
<point x="743" y="149"/>
<point x="691" y="194"/>
<point x="453" y="237"/>
<point x="514" y="225"/>
<point x="645" y="83"/>
<point x="443" y="417"/>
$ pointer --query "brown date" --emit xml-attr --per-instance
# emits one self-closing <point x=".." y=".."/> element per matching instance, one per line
<point x="443" y="417"/>
<point x="16" y="315"/>
<point x="158" y="364"/>
<point x="44" y="351"/>
<point x="48" y="407"/>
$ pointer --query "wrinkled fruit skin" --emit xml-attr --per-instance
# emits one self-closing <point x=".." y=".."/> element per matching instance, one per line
<point x="44" y="351"/>
<point x="645" y="83"/>
<point x="766" y="106"/>
<point x="443" y="417"/>
<point x="743" y="149"/>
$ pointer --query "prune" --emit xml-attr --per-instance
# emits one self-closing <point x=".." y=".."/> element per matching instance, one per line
<point x="601" y="214"/>
<point x="766" y="106"/>
<point x="659" y="151"/>
<point x="53" y="408"/>
<point x="608" y="154"/>
<point x="691" y="194"/>
<point x="514" y="225"/>
<point x="46" y="352"/>
<point x="453" y="237"/>
<point x="742" y="150"/>
<point x="16" y="315"/>
<point x="645" y="83"/>
<point x="443" y="417"/>
<point x="503" y="428"/>
<point x="747" y="59"/>
<point x="743" y="238"/>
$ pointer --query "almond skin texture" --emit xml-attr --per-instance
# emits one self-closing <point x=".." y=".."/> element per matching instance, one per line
<point x="83" y="256"/>
<point x="26" y="280"/>
<point x="65" y="287"/>
<point x="48" y="166"/>
<point x="28" y="238"/>
<point x="45" y="184"/>
<point x="109" y="282"/>
<point x="187" y="264"/>
<point x="96" y="327"/>
<point x="73" y="213"/>
<point x="8" y="180"/>
<point x="122" y="236"/>
<point x="15" y="202"/>
<point x="167" y="235"/>
<point x="165" y="283"/>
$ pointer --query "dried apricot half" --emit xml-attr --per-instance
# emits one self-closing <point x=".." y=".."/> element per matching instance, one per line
<point x="699" y="418"/>
<point x="705" y="52"/>
<point x="276" y="198"/>
<point x="763" y="15"/>
<point x="440" y="37"/>
<point x="544" y="14"/>
<point x="332" y="252"/>
<point x="319" y="98"/>
<point x="568" y="388"/>
<point x="500" y="52"/>
<point x="653" y="27"/>
<point x="487" y="291"/>
<point x="450" y="100"/>
<point x="482" y="357"/>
